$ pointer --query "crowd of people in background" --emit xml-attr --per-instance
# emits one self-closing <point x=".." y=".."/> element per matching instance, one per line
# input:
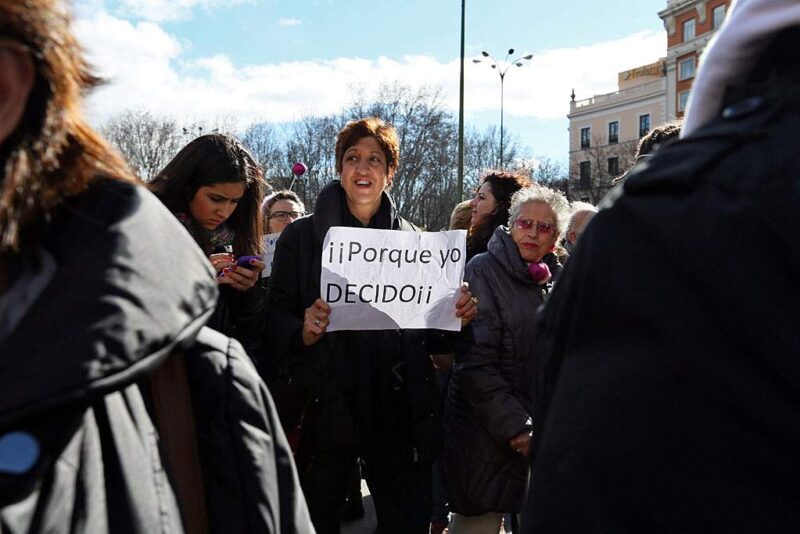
<point x="619" y="368"/>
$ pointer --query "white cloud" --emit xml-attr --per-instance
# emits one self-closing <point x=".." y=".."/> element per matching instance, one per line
<point x="541" y="88"/>
<point x="163" y="10"/>
<point x="290" y="22"/>
<point x="146" y="69"/>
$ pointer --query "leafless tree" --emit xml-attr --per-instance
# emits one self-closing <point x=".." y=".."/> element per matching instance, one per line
<point x="482" y="153"/>
<point x="147" y="141"/>
<point x="425" y="186"/>
<point x="312" y="140"/>
<point x="592" y="172"/>
<point x="268" y="148"/>
<point x="552" y="174"/>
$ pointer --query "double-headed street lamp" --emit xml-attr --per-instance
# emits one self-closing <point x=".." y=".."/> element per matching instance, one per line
<point x="502" y="69"/>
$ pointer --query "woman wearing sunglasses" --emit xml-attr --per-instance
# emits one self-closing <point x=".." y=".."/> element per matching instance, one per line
<point x="487" y="414"/>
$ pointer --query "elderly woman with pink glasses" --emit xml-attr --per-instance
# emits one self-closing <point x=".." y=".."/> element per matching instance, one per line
<point x="487" y="414"/>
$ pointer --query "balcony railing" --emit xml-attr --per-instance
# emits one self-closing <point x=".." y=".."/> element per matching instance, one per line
<point x="625" y="94"/>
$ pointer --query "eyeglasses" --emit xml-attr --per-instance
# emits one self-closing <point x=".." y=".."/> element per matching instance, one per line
<point x="283" y="215"/>
<point x="542" y="227"/>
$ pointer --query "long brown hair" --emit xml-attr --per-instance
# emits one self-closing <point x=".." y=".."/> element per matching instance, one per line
<point x="212" y="159"/>
<point x="53" y="154"/>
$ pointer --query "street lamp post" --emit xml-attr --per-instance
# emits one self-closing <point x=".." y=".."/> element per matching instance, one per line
<point x="460" y="195"/>
<point x="502" y="69"/>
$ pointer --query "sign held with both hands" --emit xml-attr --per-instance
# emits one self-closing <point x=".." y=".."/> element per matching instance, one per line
<point x="388" y="279"/>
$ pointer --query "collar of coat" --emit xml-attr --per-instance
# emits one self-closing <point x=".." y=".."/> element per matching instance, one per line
<point x="734" y="52"/>
<point x="130" y="285"/>
<point x="331" y="210"/>
<point x="502" y="247"/>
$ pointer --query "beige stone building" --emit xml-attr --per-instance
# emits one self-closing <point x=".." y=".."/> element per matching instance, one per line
<point x="605" y="129"/>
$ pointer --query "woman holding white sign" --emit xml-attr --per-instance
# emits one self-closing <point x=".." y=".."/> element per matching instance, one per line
<point x="487" y="414"/>
<point x="368" y="394"/>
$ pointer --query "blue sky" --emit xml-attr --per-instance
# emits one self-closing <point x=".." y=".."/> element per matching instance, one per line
<point x="276" y="60"/>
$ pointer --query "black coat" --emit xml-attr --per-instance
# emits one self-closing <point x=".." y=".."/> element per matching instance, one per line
<point x="489" y="401"/>
<point x="363" y="387"/>
<point x="104" y="306"/>
<point x="669" y="388"/>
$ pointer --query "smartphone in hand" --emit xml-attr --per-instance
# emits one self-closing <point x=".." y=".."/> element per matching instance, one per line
<point x="244" y="261"/>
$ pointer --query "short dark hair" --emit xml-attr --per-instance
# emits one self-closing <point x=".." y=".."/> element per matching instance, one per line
<point x="383" y="132"/>
<point x="212" y="159"/>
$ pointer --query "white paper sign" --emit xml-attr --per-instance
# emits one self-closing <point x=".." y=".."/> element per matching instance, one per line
<point x="387" y="279"/>
<point x="269" y="253"/>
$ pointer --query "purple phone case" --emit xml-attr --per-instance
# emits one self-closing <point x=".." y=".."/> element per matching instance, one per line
<point x="244" y="261"/>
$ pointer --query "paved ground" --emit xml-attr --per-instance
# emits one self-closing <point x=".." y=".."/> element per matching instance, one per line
<point x="369" y="523"/>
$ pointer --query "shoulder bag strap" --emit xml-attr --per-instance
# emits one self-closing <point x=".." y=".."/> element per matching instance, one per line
<point x="169" y="387"/>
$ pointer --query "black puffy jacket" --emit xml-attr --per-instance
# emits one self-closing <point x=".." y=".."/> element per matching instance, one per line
<point x="669" y="381"/>
<point x="489" y="399"/>
<point x="116" y="290"/>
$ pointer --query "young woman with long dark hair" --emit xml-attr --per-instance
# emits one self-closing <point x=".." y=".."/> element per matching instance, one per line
<point x="214" y="187"/>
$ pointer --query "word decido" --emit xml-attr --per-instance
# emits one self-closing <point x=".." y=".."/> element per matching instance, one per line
<point x="369" y="293"/>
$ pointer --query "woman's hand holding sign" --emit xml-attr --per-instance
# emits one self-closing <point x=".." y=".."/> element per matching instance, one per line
<point x="315" y="322"/>
<point x="467" y="306"/>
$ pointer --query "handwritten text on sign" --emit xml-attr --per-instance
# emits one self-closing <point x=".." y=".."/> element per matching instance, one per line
<point x="386" y="279"/>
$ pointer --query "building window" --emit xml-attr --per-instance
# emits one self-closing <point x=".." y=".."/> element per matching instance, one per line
<point x="686" y="68"/>
<point x="613" y="166"/>
<point x="718" y="15"/>
<point x="586" y="135"/>
<point x="644" y="125"/>
<point x="683" y="99"/>
<point x="688" y="30"/>
<point x="613" y="132"/>
<point x="586" y="174"/>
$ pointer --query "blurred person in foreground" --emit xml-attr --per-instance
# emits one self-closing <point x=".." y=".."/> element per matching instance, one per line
<point x="119" y="412"/>
<point x="368" y="394"/>
<point x="487" y="428"/>
<point x="669" y="386"/>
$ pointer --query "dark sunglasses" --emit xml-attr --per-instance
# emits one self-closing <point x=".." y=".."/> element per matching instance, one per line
<point x="541" y="226"/>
